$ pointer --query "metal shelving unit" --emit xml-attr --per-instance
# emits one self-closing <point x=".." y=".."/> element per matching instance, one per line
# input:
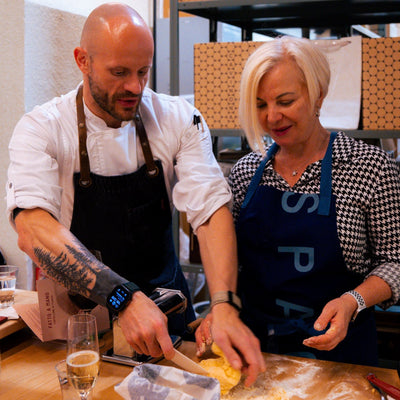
<point x="264" y="16"/>
<point x="261" y="16"/>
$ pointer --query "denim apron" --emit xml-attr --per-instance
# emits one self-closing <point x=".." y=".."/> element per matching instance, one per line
<point x="291" y="265"/>
<point x="125" y="221"/>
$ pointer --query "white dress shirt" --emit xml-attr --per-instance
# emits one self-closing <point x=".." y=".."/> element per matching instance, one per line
<point x="44" y="156"/>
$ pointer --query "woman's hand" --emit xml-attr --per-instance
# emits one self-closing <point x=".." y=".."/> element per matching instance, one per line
<point x="337" y="313"/>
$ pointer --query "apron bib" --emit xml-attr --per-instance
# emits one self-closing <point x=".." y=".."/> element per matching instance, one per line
<point x="291" y="263"/>
<point x="125" y="221"/>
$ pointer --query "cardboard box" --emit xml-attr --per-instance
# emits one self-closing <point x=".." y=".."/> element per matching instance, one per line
<point x="48" y="318"/>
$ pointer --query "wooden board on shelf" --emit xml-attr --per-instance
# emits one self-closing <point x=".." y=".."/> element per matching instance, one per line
<point x="217" y="71"/>
<point x="218" y="67"/>
<point x="381" y="83"/>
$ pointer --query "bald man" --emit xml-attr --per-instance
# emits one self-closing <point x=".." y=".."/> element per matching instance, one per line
<point x="92" y="180"/>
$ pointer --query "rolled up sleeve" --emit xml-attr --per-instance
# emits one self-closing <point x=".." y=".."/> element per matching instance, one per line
<point x="33" y="172"/>
<point x="201" y="188"/>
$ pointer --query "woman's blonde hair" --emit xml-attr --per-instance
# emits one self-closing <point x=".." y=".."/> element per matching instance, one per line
<point x="311" y="61"/>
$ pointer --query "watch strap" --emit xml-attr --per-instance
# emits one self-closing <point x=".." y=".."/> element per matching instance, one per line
<point x="117" y="300"/>
<point x="360" y="302"/>
<point x="132" y="287"/>
<point x="226" y="297"/>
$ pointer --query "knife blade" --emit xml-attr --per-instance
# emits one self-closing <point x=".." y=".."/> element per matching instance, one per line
<point x="187" y="364"/>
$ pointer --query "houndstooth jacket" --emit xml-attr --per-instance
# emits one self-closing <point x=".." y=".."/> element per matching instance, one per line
<point x="367" y="185"/>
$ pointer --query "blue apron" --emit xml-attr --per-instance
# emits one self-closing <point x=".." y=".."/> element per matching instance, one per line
<point x="291" y="265"/>
<point x="126" y="222"/>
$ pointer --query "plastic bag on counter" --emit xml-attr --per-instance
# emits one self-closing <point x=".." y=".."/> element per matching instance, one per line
<point x="154" y="382"/>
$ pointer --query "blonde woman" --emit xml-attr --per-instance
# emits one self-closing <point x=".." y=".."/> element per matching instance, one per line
<point x="317" y="215"/>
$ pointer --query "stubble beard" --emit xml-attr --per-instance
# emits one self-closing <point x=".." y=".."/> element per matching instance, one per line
<point x="107" y="104"/>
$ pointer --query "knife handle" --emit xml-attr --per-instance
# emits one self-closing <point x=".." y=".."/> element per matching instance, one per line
<point x="192" y="326"/>
<point x="388" y="388"/>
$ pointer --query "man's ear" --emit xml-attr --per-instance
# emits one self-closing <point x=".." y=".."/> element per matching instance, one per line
<point x="82" y="59"/>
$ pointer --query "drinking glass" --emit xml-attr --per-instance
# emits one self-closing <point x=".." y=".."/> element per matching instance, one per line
<point x="8" y="278"/>
<point x="83" y="359"/>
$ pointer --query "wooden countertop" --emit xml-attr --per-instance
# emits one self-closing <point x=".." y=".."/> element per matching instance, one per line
<point x="14" y="325"/>
<point x="27" y="372"/>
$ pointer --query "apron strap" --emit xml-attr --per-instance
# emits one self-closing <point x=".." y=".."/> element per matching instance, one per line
<point x="85" y="180"/>
<point x="152" y="169"/>
<point x="326" y="179"/>
<point x="258" y="175"/>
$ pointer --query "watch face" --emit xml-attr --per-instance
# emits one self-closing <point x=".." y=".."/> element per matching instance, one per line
<point x="118" y="298"/>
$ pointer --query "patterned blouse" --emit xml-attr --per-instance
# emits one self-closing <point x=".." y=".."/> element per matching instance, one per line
<point x="367" y="185"/>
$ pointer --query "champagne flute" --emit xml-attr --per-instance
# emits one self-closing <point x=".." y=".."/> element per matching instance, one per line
<point x="83" y="359"/>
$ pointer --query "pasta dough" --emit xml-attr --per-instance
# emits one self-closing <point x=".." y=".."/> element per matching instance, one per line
<point x="220" y="369"/>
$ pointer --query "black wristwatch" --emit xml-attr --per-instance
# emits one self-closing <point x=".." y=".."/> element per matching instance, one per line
<point x="120" y="296"/>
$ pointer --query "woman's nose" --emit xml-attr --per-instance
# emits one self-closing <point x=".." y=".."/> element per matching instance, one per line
<point x="273" y="115"/>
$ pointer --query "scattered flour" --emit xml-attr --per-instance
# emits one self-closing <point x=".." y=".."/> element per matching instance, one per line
<point x="290" y="378"/>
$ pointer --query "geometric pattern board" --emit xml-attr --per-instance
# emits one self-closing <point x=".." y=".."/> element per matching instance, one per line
<point x="218" y="67"/>
<point x="217" y="71"/>
<point x="381" y="83"/>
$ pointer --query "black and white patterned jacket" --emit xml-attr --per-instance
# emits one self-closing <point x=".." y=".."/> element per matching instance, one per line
<point x="367" y="185"/>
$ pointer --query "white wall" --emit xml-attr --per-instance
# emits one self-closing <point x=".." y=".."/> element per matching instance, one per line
<point x="50" y="38"/>
<point x="83" y="7"/>
<point x="37" y="39"/>
<point x="11" y="107"/>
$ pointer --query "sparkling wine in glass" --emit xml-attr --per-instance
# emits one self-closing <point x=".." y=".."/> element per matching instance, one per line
<point x="83" y="359"/>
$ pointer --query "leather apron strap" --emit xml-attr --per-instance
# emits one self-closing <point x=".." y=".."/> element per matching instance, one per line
<point x="152" y="169"/>
<point x="85" y="179"/>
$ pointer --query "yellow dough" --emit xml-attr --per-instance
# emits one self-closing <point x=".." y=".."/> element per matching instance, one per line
<point x="220" y="369"/>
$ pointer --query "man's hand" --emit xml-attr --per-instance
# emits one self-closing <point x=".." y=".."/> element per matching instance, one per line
<point x="238" y="343"/>
<point x="145" y="327"/>
<point x="338" y="313"/>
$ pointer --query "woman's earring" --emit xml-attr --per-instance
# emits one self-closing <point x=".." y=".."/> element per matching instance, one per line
<point x="317" y="113"/>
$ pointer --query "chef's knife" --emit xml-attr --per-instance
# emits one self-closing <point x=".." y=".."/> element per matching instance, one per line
<point x="187" y="364"/>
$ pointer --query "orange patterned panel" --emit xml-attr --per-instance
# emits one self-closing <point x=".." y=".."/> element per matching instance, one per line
<point x="218" y="67"/>
<point x="381" y="83"/>
<point x="217" y="71"/>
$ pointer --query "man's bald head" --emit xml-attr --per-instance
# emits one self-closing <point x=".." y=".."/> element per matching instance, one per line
<point x="115" y="57"/>
<point x="109" y="22"/>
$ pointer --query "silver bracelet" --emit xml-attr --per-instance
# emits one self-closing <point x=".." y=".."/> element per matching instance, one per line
<point x="360" y="302"/>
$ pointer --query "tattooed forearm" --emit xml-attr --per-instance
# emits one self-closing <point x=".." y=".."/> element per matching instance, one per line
<point x="85" y="257"/>
<point x="79" y="271"/>
<point x="72" y="275"/>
